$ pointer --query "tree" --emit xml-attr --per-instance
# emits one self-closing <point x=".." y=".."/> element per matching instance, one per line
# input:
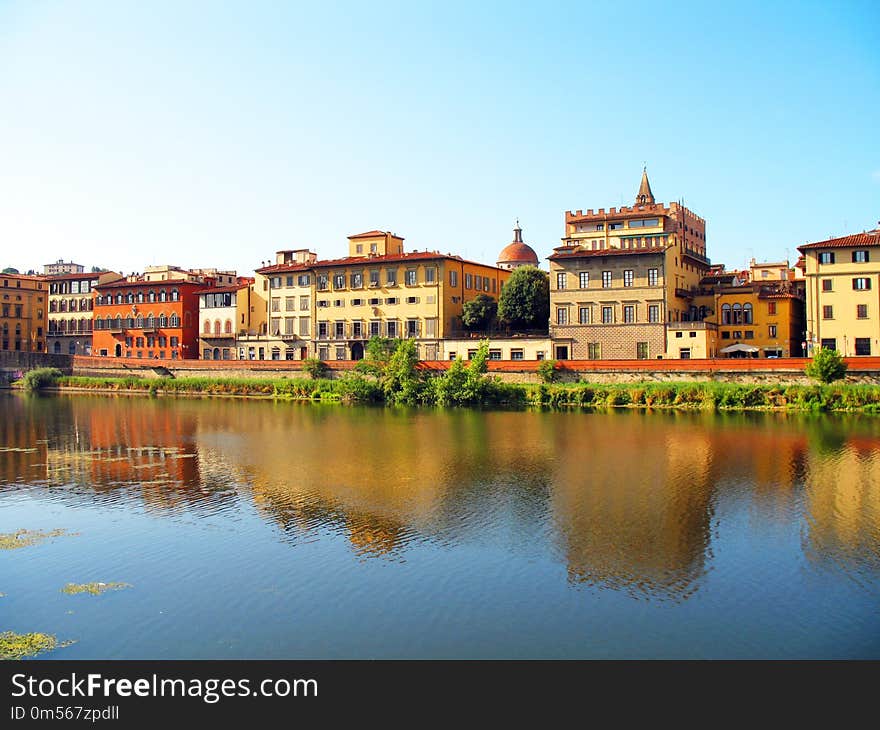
<point x="826" y="366"/>
<point x="401" y="379"/>
<point x="10" y="270"/>
<point x="479" y="312"/>
<point x="525" y="299"/>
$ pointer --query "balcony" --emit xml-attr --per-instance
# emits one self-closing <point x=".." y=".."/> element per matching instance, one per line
<point x="673" y="326"/>
<point x="212" y="335"/>
<point x="696" y="255"/>
<point x="684" y="293"/>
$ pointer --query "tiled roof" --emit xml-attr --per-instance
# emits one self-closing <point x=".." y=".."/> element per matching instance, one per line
<point x="373" y="234"/>
<point x="868" y="238"/>
<point x="368" y="261"/>
<point x="222" y="289"/>
<point x="283" y="268"/>
<point x="518" y="252"/>
<point x="83" y="275"/>
<point x="129" y="284"/>
<point x="579" y="253"/>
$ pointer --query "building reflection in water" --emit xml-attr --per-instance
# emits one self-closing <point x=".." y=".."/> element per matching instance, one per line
<point x="626" y="500"/>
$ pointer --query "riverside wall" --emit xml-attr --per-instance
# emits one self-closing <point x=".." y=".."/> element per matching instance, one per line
<point x="864" y="370"/>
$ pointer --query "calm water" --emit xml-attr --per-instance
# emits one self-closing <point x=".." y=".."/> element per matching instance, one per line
<point x="277" y="530"/>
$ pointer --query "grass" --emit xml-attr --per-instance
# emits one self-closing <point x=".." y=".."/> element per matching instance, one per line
<point x="715" y="396"/>
<point x="94" y="589"/>
<point x="19" y="646"/>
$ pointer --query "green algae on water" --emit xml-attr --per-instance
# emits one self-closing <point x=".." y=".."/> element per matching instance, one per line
<point x="19" y="646"/>
<point x="23" y="538"/>
<point x="94" y="589"/>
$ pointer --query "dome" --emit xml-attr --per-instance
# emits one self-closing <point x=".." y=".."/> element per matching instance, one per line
<point x="517" y="253"/>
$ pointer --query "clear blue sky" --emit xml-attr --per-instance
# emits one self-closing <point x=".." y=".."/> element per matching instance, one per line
<point x="215" y="133"/>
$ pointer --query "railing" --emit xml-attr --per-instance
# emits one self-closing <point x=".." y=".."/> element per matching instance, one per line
<point x="684" y="293"/>
<point x="692" y="326"/>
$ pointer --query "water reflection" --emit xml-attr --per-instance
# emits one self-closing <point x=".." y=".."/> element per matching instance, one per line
<point x="627" y="501"/>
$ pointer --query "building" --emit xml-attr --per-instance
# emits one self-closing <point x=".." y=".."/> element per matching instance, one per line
<point x="284" y="294"/>
<point x="516" y="253"/>
<point x="622" y="277"/>
<point x="843" y="312"/>
<point x="500" y="348"/>
<point x="60" y="267"/>
<point x="379" y="290"/>
<point x="70" y="311"/>
<point x="147" y="319"/>
<point x="23" y="313"/>
<point x="224" y="312"/>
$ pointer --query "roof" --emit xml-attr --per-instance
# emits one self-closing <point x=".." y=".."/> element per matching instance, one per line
<point x="867" y="238"/>
<point x="283" y="268"/>
<point x="81" y="275"/>
<point x="578" y="253"/>
<point x="644" y="195"/>
<point x="223" y="289"/>
<point x="374" y="234"/>
<point x="518" y="252"/>
<point x="129" y="284"/>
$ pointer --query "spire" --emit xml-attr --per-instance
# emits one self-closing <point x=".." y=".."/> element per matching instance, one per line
<point x="645" y="196"/>
<point x="517" y="233"/>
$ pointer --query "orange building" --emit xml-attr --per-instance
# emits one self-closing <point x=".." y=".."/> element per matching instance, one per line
<point x="147" y="319"/>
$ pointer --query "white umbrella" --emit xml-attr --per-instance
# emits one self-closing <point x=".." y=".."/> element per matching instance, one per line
<point x="738" y="347"/>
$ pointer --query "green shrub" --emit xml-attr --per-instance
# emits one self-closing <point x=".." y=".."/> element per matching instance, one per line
<point x="826" y="366"/>
<point x="34" y="380"/>
<point x="547" y="371"/>
<point x="314" y="367"/>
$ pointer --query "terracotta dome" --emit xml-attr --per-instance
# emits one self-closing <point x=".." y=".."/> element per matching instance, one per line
<point x="517" y="253"/>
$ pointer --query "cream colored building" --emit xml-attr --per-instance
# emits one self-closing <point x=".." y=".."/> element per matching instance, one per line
<point x="842" y="281"/>
<point x="500" y="348"/>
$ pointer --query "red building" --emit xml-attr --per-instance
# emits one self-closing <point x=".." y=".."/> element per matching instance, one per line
<point x="147" y="319"/>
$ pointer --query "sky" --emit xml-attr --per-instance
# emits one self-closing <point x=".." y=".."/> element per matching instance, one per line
<point x="212" y="134"/>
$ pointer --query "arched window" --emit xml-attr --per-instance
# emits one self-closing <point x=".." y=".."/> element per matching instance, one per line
<point x="163" y="320"/>
<point x="83" y="304"/>
<point x="228" y="328"/>
<point x="129" y="298"/>
<point x="207" y="327"/>
<point x="151" y="321"/>
<point x="140" y="297"/>
<point x="53" y="306"/>
<point x="725" y="314"/>
<point x="83" y="325"/>
<point x="119" y="298"/>
<point x="174" y="295"/>
<point x="108" y="322"/>
<point x="737" y="314"/>
<point x="174" y="321"/>
<point x="119" y="321"/>
<point x="216" y="326"/>
<point x="747" y="313"/>
<point x="161" y="295"/>
<point x="57" y="347"/>
<point x="72" y="326"/>
<point x="71" y="348"/>
<point x="139" y="322"/>
<point x="62" y="327"/>
<point x="18" y="330"/>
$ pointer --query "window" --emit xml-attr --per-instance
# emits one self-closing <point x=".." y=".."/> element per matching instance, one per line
<point x="516" y="354"/>
<point x="340" y="352"/>
<point x="771" y="308"/>
<point x="862" y="283"/>
<point x="750" y="335"/>
<point x="323" y="330"/>
<point x="338" y="302"/>
<point x="737" y="334"/>
<point x="391" y="277"/>
<point x="391" y="328"/>
<point x="304" y="304"/>
<point x="863" y="345"/>
<point x="641" y="350"/>
<point x="861" y="311"/>
<point x="826" y="257"/>
<point x="431" y="327"/>
<point x="628" y="277"/>
<point x="468" y="281"/>
<point x="583" y="315"/>
<point x="737" y="314"/>
<point x="289" y="304"/>
<point x="594" y="351"/>
<point x="410" y="277"/>
<point x="304" y="280"/>
<point x="860" y="257"/>
<point x="607" y="315"/>
<point x="322" y="282"/>
<point x="375" y="328"/>
<point x="290" y="281"/>
<point x="560" y="280"/>
<point x="323" y="303"/>
<point x="615" y="226"/>
<point x="654" y="313"/>
<point x="391" y="300"/>
<point x="826" y="284"/>
<point x="357" y="329"/>
<point x="644" y="223"/>
<point x="339" y="281"/>
<point x="412" y="328"/>
<point x="374" y="301"/>
<point x="829" y="343"/>
<point x="747" y="313"/>
<point x="725" y="335"/>
<point x="339" y="329"/>
<point x="453" y="278"/>
<point x="606" y="279"/>
<point x="771" y="331"/>
<point x="374" y="277"/>
<point x="629" y="313"/>
<point x="494" y="354"/>
<point x="288" y="326"/>
<point x="679" y="335"/>
<point x="485" y="283"/>
<point x="412" y="300"/>
<point x="584" y="279"/>
<point x="357" y="280"/>
<point x="430" y="275"/>
<point x="562" y="315"/>
<point x="827" y="312"/>
<point x="304" y="326"/>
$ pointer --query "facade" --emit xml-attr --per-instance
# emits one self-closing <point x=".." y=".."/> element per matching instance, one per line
<point x="224" y="311"/>
<point x="62" y="267"/>
<point x="500" y="348"/>
<point x="517" y="253"/>
<point x="144" y="319"/>
<point x="23" y="313"/>
<point x="621" y="277"/>
<point x="842" y="280"/>
<point x="284" y="293"/>
<point x="70" y="311"/>
<point x="380" y="290"/>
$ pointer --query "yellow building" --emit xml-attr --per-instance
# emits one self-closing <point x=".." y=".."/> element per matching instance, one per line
<point x="224" y="313"/>
<point x="379" y="290"/>
<point x="71" y="302"/>
<point x="23" y="313"/>
<point x="842" y="279"/>
<point x="622" y="276"/>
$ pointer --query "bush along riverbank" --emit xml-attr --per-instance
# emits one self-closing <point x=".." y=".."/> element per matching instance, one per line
<point x="390" y="375"/>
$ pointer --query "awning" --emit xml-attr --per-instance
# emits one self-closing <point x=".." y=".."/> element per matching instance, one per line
<point x="738" y="347"/>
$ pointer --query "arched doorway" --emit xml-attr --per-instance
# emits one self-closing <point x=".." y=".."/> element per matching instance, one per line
<point x="118" y="350"/>
<point x="357" y="351"/>
<point x="57" y="347"/>
<point x="216" y="353"/>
